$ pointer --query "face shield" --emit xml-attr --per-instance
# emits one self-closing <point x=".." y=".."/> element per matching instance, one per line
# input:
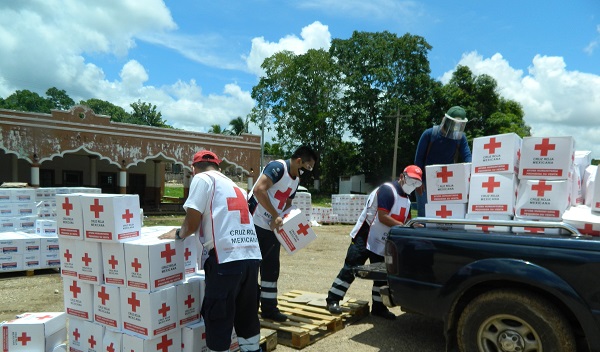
<point x="451" y="127"/>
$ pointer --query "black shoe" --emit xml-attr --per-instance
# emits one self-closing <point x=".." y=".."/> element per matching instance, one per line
<point x="274" y="315"/>
<point x="334" y="308"/>
<point x="384" y="313"/>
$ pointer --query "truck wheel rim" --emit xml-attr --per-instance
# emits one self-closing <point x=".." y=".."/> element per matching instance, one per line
<point x="507" y="333"/>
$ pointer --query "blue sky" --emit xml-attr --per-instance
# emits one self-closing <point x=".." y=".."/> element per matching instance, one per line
<point x="198" y="60"/>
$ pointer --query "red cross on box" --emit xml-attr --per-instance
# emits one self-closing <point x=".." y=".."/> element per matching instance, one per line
<point x="113" y="262"/>
<point x="24" y="338"/>
<point x="490" y="184"/>
<point x="541" y="188"/>
<point x="168" y="253"/>
<point x="545" y="147"/>
<point x="127" y="216"/>
<point x="67" y="207"/>
<point x="444" y="174"/>
<point x="164" y="344"/>
<point x="103" y="295"/>
<point x="492" y="145"/>
<point x="444" y="212"/>
<point x="133" y="301"/>
<point x="96" y="208"/>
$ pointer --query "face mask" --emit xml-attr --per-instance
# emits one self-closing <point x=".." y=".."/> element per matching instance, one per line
<point x="408" y="188"/>
<point x="301" y="171"/>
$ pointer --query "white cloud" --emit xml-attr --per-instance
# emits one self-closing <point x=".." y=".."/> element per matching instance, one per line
<point x="313" y="36"/>
<point x="589" y="49"/>
<point x="556" y="102"/>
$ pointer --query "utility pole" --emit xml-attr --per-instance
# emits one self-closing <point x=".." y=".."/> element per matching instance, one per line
<point x="397" y="116"/>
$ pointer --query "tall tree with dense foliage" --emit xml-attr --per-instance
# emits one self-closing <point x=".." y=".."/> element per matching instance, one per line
<point x="386" y="76"/>
<point x="488" y="112"/>
<point x="146" y="114"/>
<point x="59" y="99"/>
<point x="298" y="97"/>
<point x="102" y="107"/>
<point x="26" y="100"/>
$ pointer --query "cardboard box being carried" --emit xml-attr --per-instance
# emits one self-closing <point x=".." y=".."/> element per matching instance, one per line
<point x="34" y="332"/>
<point x="497" y="154"/>
<point x="448" y="183"/>
<point x="296" y="232"/>
<point x="546" y="158"/>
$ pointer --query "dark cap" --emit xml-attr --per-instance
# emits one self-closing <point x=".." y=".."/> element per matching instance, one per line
<point x="457" y="112"/>
<point x="206" y="155"/>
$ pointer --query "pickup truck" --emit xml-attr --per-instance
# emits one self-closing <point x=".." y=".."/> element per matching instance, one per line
<point x="496" y="291"/>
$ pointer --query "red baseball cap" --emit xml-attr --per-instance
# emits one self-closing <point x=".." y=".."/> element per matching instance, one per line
<point x="413" y="171"/>
<point x="206" y="155"/>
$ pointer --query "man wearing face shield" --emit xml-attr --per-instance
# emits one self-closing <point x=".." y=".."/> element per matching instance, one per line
<point x="442" y="144"/>
<point x="387" y="206"/>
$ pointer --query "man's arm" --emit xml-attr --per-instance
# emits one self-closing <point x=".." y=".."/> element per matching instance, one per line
<point x="262" y="197"/>
<point x="190" y="225"/>
<point x="385" y="218"/>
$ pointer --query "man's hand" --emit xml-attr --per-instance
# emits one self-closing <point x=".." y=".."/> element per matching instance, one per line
<point x="169" y="235"/>
<point x="276" y="223"/>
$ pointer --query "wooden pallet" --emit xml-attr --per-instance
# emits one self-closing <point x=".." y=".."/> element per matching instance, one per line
<point x="30" y="272"/>
<point x="308" y="323"/>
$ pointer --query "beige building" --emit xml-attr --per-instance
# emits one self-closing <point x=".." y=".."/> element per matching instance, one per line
<point x="79" y="148"/>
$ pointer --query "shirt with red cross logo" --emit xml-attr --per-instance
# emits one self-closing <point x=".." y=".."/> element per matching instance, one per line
<point x="284" y="188"/>
<point x="227" y="225"/>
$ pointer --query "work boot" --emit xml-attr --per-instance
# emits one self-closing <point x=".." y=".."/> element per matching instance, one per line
<point x="274" y="315"/>
<point x="382" y="311"/>
<point x="334" y="307"/>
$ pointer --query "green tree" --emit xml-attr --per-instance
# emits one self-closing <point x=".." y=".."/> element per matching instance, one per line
<point x="298" y="97"/>
<point x="341" y="160"/>
<point x="146" y="114"/>
<point x="238" y="126"/>
<point x="274" y="150"/>
<point x="386" y="76"/>
<point x="25" y="100"/>
<point x="59" y="99"/>
<point x="216" y="129"/>
<point x="102" y="107"/>
<point x="488" y="112"/>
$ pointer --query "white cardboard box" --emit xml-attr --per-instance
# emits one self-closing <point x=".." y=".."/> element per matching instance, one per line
<point x="583" y="219"/>
<point x="492" y="194"/>
<point x="448" y="183"/>
<point x="79" y="299"/>
<point x="170" y="342"/>
<point x="70" y="262"/>
<point x="296" y="231"/>
<point x="90" y="269"/>
<point x="446" y="211"/>
<point x="536" y="230"/>
<point x="113" y="262"/>
<point x="11" y="262"/>
<point x="85" y="336"/>
<point x="193" y="338"/>
<point x="107" y="307"/>
<point x="542" y="199"/>
<point x="487" y="228"/>
<point x="150" y="314"/>
<point x="112" y="341"/>
<point x="34" y="332"/>
<point x="546" y="158"/>
<point x="69" y="216"/>
<point x="111" y="217"/>
<point x="152" y="263"/>
<point x="595" y="203"/>
<point x="496" y="154"/>
<point x="190" y="297"/>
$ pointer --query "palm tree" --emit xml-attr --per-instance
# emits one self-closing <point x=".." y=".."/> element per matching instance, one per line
<point x="216" y="129"/>
<point x="238" y="126"/>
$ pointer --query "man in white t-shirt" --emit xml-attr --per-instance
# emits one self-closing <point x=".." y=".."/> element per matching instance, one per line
<point x="217" y="213"/>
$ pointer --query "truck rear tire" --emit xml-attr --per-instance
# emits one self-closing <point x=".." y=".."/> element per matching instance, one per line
<point x="512" y="320"/>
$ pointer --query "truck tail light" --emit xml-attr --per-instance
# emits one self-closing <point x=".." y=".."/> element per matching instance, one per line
<point x="391" y="253"/>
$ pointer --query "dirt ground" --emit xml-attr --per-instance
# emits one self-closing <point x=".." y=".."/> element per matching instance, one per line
<point x="312" y="269"/>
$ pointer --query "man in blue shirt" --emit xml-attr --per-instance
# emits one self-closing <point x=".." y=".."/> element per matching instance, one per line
<point x="442" y="144"/>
